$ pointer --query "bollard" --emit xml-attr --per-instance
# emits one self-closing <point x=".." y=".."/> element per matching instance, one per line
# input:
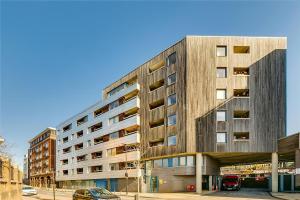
<point x="136" y="197"/>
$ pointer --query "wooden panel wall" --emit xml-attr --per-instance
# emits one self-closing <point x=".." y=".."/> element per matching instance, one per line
<point x="267" y="63"/>
<point x="145" y="79"/>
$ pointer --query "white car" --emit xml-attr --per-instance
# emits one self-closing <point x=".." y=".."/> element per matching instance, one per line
<point x="28" y="190"/>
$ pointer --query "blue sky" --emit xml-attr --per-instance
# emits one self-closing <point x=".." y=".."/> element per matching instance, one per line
<point x="57" y="56"/>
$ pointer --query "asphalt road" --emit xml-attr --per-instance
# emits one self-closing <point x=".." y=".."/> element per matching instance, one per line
<point x="222" y="195"/>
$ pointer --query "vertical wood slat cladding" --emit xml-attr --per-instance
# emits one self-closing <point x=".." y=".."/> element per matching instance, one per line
<point x="145" y="79"/>
<point x="267" y="94"/>
<point x="195" y="89"/>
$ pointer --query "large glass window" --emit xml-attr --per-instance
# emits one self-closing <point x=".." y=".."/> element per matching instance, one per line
<point x="221" y="51"/>
<point x="170" y="162"/>
<point x="172" y="99"/>
<point x="172" y="140"/>
<point x="114" y="120"/>
<point x="221" y="93"/>
<point x="221" y="115"/>
<point x="190" y="161"/>
<point x="171" y="59"/>
<point x="114" y="104"/>
<point x="171" y="119"/>
<point x="157" y="163"/>
<point x="165" y="162"/>
<point x="221" y="72"/>
<point x="221" y="138"/>
<point x="114" y="135"/>
<point x="175" y="161"/>
<point x="171" y="79"/>
<point x="182" y="161"/>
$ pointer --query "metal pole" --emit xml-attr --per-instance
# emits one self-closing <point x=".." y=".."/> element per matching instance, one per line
<point x="53" y="184"/>
<point x="138" y="181"/>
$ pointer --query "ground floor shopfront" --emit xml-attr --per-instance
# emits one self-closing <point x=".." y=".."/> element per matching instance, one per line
<point x="44" y="181"/>
<point x="112" y="184"/>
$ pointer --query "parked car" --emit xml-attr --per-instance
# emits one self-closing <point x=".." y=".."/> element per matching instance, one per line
<point x="28" y="191"/>
<point x="231" y="182"/>
<point x="94" y="194"/>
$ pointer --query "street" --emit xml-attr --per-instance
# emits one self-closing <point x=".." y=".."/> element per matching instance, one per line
<point x="223" y="195"/>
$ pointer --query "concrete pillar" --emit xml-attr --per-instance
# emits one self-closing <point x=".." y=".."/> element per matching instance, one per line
<point x="199" y="166"/>
<point x="292" y="183"/>
<point x="297" y="164"/>
<point x="275" y="172"/>
<point x="210" y="183"/>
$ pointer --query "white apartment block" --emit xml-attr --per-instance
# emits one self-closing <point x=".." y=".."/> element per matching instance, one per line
<point x="97" y="146"/>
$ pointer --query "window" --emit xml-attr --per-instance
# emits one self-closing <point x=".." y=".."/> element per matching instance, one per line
<point x="100" y="111"/>
<point x="113" y="120"/>
<point x="64" y="162"/>
<point x="171" y="59"/>
<point x="221" y="138"/>
<point x="239" y="114"/>
<point x="221" y="51"/>
<point x="117" y="89"/>
<point x="79" y="134"/>
<point x="81" y="158"/>
<point x="65" y="139"/>
<point x="89" y="143"/>
<point x="172" y="140"/>
<point x="67" y="150"/>
<point x="171" y="119"/>
<point x="241" y="71"/>
<point x="65" y="172"/>
<point x="156" y="104"/>
<point x="241" y="135"/>
<point x="175" y="161"/>
<point x="221" y="93"/>
<point x="82" y="120"/>
<point x="190" y="161"/>
<point x="114" y="104"/>
<point x="241" y="49"/>
<point x="97" y="154"/>
<point x="95" y="169"/>
<point x="114" y="135"/>
<point x="79" y="146"/>
<point x="68" y="127"/>
<point x="221" y="72"/>
<point x="157" y="163"/>
<point x="171" y="79"/>
<point x="96" y="127"/>
<point x="182" y="161"/>
<point x="79" y="170"/>
<point x="111" y="152"/>
<point x="241" y="92"/>
<point x="170" y="162"/>
<point x="165" y="163"/>
<point x="172" y="99"/>
<point x="221" y="116"/>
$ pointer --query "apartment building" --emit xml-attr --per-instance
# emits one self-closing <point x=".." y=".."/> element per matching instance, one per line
<point x="203" y="103"/>
<point x="10" y="178"/>
<point x="25" y="170"/>
<point x="41" y="172"/>
<point x="98" y="147"/>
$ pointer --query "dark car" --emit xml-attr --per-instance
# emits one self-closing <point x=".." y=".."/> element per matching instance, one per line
<point x="231" y="182"/>
<point x="94" y="194"/>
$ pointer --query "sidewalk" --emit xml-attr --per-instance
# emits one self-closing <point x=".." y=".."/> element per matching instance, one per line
<point x="288" y="196"/>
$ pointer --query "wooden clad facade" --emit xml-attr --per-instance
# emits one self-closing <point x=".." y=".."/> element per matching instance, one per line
<point x="196" y="102"/>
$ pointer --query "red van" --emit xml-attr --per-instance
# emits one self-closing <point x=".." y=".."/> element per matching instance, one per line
<point x="231" y="182"/>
